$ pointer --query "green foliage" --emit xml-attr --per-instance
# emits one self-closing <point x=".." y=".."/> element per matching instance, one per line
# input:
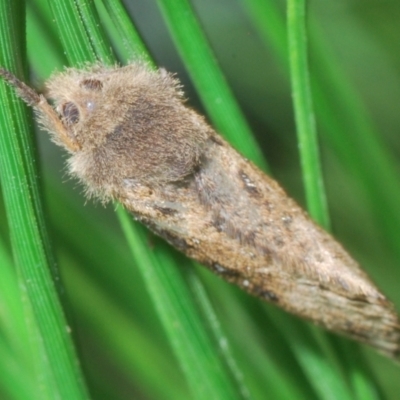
<point x="148" y="323"/>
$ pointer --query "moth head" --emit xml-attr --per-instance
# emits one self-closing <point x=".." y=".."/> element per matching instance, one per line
<point x="80" y="106"/>
<point x="129" y="122"/>
<point x="94" y="102"/>
<point x="80" y="101"/>
<point x="120" y="123"/>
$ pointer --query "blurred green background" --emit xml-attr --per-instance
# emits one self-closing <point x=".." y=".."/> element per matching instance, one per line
<point x="354" y="55"/>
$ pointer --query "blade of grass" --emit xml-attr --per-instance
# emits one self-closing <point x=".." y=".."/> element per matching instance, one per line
<point x="55" y="361"/>
<point x="210" y="315"/>
<point x="11" y="312"/>
<point x="14" y="339"/>
<point x="134" y="349"/>
<point x="311" y="169"/>
<point x="130" y="42"/>
<point x="74" y="35"/>
<point x="12" y="373"/>
<point x="15" y="362"/>
<point x="39" y="30"/>
<point x="362" y="381"/>
<point x="167" y="285"/>
<point x="304" y="112"/>
<point x="355" y="138"/>
<point x="94" y="30"/>
<point x="315" y="355"/>
<point x="263" y="352"/>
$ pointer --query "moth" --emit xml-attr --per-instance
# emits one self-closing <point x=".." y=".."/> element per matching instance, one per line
<point x="131" y="138"/>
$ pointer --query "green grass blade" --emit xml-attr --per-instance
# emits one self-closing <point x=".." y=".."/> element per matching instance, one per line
<point x="39" y="30"/>
<point x="209" y="314"/>
<point x="55" y="361"/>
<point x="315" y="355"/>
<point x="11" y="311"/>
<point x="304" y="112"/>
<point x="74" y="36"/>
<point x="12" y="374"/>
<point x="130" y="42"/>
<point x="94" y="30"/>
<point x="167" y="286"/>
<point x="348" y="126"/>
<point x="14" y="339"/>
<point x="133" y="348"/>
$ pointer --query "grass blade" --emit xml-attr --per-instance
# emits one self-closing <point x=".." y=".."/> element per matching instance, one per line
<point x="56" y="364"/>
<point x="304" y="112"/>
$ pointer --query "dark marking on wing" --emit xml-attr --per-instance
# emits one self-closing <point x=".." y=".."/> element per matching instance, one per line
<point x="165" y="210"/>
<point x="249" y="185"/>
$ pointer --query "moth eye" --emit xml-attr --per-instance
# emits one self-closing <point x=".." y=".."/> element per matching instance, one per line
<point x="91" y="84"/>
<point x="70" y="113"/>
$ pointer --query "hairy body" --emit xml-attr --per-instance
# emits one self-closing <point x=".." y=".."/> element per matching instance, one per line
<point x="132" y="138"/>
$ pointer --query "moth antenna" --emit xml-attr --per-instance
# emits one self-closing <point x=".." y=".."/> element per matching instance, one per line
<point x="24" y="91"/>
<point x="48" y="117"/>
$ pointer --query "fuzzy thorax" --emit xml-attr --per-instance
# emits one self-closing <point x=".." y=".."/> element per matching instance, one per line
<point x="129" y="123"/>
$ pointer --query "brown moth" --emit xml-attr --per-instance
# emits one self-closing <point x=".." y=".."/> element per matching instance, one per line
<point x="131" y="138"/>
